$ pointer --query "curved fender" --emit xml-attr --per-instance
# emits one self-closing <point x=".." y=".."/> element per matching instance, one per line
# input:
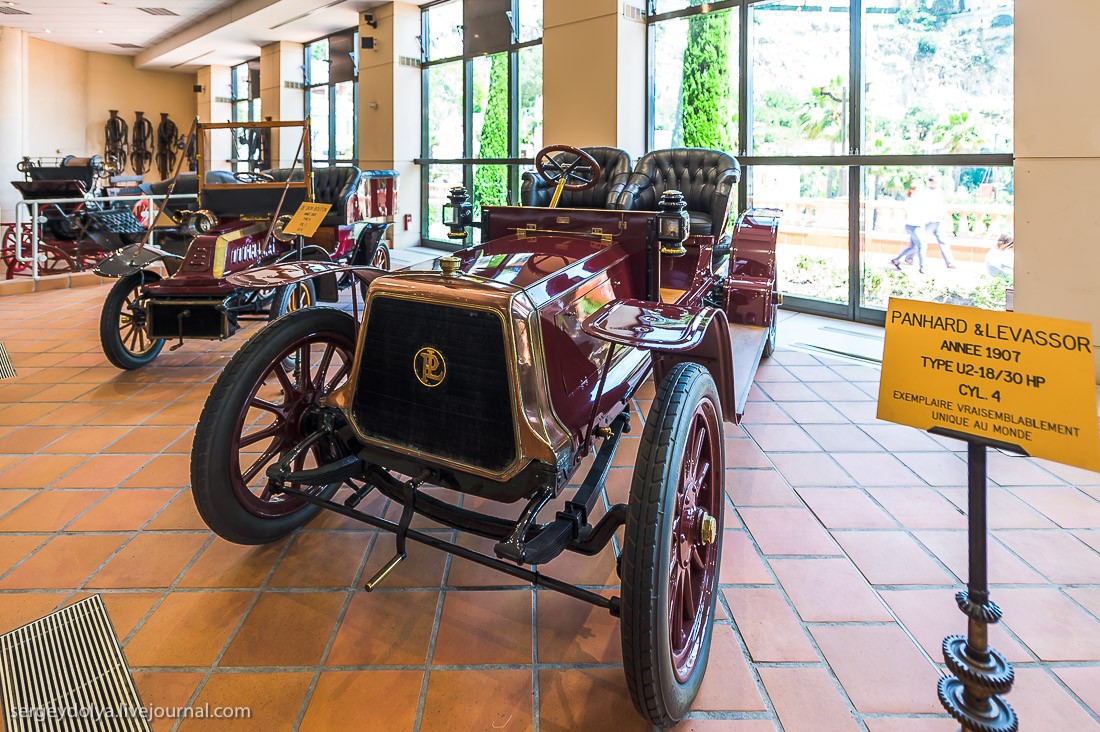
<point x="130" y="259"/>
<point x="286" y="273"/>
<point x="673" y="333"/>
<point x="324" y="282"/>
<point x="713" y="352"/>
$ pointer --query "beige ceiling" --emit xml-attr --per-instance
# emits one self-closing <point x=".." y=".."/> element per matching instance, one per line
<point x="201" y="33"/>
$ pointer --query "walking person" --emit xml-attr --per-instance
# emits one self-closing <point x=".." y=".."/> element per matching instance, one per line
<point x="916" y="216"/>
<point x="934" y="206"/>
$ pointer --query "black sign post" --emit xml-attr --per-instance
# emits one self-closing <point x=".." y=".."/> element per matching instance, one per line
<point x="973" y="694"/>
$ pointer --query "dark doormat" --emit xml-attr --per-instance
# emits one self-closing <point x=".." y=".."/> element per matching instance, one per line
<point x="66" y="671"/>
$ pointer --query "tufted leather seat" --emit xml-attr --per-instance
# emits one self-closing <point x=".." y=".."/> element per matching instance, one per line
<point x="187" y="185"/>
<point x="705" y="177"/>
<point x="334" y="185"/>
<point x="614" y="170"/>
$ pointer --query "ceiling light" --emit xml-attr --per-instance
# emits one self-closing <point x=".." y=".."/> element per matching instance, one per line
<point x="48" y="31"/>
<point x="306" y="15"/>
<point x="98" y="30"/>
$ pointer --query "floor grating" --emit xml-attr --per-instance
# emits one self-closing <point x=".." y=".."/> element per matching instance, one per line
<point x="66" y="671"/>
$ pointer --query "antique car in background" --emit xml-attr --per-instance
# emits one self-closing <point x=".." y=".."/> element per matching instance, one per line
<point x="501" y="371"/>
<point x="71" y="236"/>
<point x="237" y="221"/>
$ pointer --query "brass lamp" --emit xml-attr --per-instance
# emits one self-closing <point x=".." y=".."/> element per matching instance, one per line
<point x="458" y="213"/>
<point x="673" y="223"/>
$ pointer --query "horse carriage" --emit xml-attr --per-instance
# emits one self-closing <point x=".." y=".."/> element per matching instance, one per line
<point x="509" y="369"/>
<point x="73" y="235"/>
<point x="237" y="221"/>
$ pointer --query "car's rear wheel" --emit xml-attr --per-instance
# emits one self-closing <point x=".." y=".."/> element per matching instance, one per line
<point x="673" y="546"/>
<point x="381" y="258"/>
<point x="123" y="323"/>
<point x="266" y="401"/>
<point x="290" y="298"/>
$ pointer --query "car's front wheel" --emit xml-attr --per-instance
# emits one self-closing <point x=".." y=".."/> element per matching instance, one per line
<point x="267" y="401"/>
<point x="672" y="546"/>
<point x="124" y="323"/>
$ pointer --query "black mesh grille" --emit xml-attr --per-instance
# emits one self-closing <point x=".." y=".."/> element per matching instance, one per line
<point x="200" y="321"/>
<point x="468" y="416"/>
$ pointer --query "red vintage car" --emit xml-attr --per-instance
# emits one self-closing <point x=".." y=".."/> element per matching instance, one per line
<point x="237" y="221"/>
<point x="504" y="370"/>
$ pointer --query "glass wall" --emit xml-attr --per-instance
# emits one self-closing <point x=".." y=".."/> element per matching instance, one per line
<point x="860" y="119"/>
<point x="482" y="78"/>
<point x="332" y="103"/>
<point x="244" y="93"/>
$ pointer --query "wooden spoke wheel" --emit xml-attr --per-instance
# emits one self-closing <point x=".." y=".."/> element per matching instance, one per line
<point x="381" y="258"/>
<point x="290" y="298"/>
<point x="52" y="260"/>
<point x="266" y="401"/>
<point x="123" y="323"/>
<point x="673" y="546"/>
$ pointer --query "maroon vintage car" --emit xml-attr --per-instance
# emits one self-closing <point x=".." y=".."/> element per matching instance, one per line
<point x="502" y="370"/>
<point x="237" y="222"/>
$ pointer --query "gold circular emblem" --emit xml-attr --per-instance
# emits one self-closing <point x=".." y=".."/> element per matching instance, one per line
<point x="429" y="367"/>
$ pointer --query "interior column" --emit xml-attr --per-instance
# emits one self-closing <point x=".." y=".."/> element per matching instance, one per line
<point x="281" y="95"/>
<point x="13" y="114"/>
<point x="390" y="107"/>
<point x="594" y="78"/>
<point x="212" y="105"/>
<point x="1057" y="166"/>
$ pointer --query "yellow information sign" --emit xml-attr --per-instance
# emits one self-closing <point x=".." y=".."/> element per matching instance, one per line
<point x="1019" y="379"/>
<point x="307" y="219"/>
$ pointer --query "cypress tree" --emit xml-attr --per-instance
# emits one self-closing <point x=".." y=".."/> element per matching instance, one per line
<point x="707" y="116"/>
<point x="491" y="182"/>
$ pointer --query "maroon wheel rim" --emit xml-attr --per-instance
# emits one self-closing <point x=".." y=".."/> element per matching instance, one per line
<point x="693" y="563"/>
<point x="280" y="411"/>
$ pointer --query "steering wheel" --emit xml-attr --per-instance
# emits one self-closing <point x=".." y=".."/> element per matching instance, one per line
<point x="247" y="176"/>
<point x="579" y="173"/>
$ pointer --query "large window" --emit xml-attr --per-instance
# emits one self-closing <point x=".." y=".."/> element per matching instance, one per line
<point x="244" y="93"/>
<point x="332" y="98"/>
<point x="860" y="119"/>
<point x="483" y="90"/>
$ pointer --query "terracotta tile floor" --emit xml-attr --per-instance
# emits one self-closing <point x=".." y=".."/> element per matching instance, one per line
<point x="844" y="543"/>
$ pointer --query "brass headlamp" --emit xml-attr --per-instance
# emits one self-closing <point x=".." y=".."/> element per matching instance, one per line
<point x="458" y="213"/>
<point x="673" y="223"/>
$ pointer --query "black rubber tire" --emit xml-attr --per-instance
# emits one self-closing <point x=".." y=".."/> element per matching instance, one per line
<point x="773" y="335"/>
<point x="109" y="338"/>
<point x="647" y="658"/>
<point x="212" y="451"/>
<point x="281" y="300"/>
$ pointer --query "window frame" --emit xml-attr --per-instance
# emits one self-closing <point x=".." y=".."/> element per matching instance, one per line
<point x="513" y="160"/>
<point x="330" y="158"/>
<point x="235" y="98"/>
<point x="854" y="159"/>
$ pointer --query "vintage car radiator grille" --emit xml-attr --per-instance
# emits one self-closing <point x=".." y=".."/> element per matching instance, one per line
<point x="467" y="416"/>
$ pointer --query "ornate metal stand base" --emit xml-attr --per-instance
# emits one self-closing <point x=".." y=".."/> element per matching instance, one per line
<point x="981" y="674"/>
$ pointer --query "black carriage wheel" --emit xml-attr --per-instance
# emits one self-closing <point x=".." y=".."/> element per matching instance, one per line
<point x="672" y="546"/>
<point x="261" y="406"/>
<point x="290" y="298"/>
<point x="123" y="325"/>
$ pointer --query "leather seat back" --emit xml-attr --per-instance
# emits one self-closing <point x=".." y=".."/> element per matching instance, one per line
<point x="335" y="186"/>
<point x="614" y="170"/>
<point x="706" y="178"/>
